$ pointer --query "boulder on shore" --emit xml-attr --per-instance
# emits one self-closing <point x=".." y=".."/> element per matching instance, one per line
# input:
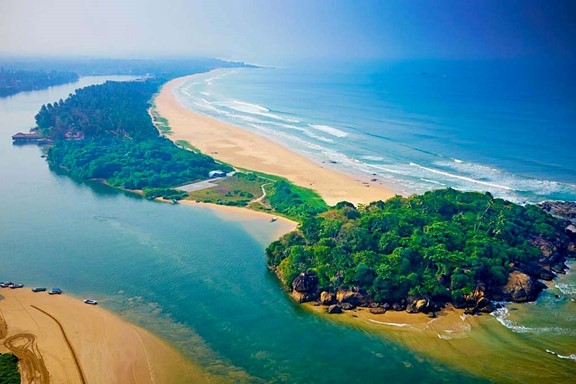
<point x="326" y="298"/>
<point x="351" y="297"/>
<point x="305" y="282"/>
<point x="521" y="287"/>
<point x="305" y="287"/>
<point x="378" y="310"/>
<point x="334" y="309"/>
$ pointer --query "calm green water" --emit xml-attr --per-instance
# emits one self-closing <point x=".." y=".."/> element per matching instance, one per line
<point x="196" y="279"/>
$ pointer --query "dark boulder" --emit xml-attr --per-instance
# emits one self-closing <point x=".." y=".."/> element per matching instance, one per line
<point x="521" y="287"/>
<point x="305" y="287"/>
<point x="378" y="310"/>
<point x="355" y="298"/>
<point x="347" y="306"/>
<point x="305" y="282"/>
<point x="326" y="298"/>
<point x="334" y="309"/>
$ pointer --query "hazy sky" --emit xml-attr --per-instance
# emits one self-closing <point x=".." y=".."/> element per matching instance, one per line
<point x="267" y="31"/>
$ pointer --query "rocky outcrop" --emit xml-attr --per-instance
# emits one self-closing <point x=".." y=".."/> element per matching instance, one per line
<point x="420" y="305"/>
<point x="334" y="309"/>
<point x="354" y="297"/>
<point x="521" y="287"/>
<point x="564" y="209"/>
<point x="305" y="287"/>
<point x="326" y="298"/>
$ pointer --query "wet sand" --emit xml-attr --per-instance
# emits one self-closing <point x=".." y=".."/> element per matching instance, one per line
<point x="59" y="339"/>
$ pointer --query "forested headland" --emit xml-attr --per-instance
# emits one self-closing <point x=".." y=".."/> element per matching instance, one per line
<point x="105" y="132"/>
<point x="14" y="81"/>
<point x="419" y="252"/>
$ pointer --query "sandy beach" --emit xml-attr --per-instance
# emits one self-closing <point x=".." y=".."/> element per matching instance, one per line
<point x="247" y="150"/>
<point x="59" y="339"/>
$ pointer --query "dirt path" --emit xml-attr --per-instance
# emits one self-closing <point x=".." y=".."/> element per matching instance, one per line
<point x="76" y="361"/>
<point x="32" y="367"/>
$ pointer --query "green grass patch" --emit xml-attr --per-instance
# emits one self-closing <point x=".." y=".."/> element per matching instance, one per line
<point x="160" y="122"/>
<point x="237" y="190"/>
<point x="186" y="145"/>
<point x="9" y="373"/>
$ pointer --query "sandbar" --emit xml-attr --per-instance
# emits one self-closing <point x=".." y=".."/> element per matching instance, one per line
<point x="248" y="150"/>
<point x="60" y="339"/>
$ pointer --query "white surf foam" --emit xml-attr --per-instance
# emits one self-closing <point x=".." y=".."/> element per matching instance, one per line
<point x="460" y="177"/>
<point x="372" y="158"/>
<point x="567" y="289"/>
<point x="502" y="314"/>
<point x="329" y="130"/>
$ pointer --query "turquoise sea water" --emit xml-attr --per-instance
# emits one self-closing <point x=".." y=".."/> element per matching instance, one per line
<point x="507" y="130"/>
<point x="195" y="278"/>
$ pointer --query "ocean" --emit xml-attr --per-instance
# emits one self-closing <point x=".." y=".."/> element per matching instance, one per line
<point x="413" y="126"/>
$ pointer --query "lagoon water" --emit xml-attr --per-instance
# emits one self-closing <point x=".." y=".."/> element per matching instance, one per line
<point x="507" y="129"/>
<point x="197" y="279"/>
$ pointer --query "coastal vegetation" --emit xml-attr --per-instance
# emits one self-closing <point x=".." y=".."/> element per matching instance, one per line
<point x="14" y="81"/>
<point x="110" y="132"/>
<point x="443" y="246"/>
<point x="9" y="373"/>
<point x="105" y="132"/>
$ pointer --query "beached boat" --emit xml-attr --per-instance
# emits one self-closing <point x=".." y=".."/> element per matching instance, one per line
<point x="90" y="301"/>
<point x="39" y="289"/>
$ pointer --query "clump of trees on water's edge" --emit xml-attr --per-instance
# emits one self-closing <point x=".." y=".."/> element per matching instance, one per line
<point x="294" y="201"/>
<point x="105" y="132"/>
<point x="9" y="373"/>
<point x="14" y="81"/>
<point x="439" y="245"/>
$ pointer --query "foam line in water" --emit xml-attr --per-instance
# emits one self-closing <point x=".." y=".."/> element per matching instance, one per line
<point x="567" y="289"/>
<point x="329" y="130"/>
<point x="502" y="314"/>
<point x="448" y="174"/>
<point x="399" y="325"/>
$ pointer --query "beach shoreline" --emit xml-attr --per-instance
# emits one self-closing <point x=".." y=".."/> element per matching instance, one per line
<point x="247" y="150"/>
<point x="60" y="339"/>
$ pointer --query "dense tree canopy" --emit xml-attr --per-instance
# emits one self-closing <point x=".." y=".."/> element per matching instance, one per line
<point x="105" y="132"/>
<point x="440" y="245"/>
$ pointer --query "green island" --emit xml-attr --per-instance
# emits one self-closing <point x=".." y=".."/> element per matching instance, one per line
<point x="110" y="132"/>
<point x="14" y="81"/>
<point x="9" y="373"/>
<point x="417" y="253"/>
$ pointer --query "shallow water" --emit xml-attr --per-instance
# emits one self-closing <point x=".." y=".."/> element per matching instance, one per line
<point x="193" y="277"/>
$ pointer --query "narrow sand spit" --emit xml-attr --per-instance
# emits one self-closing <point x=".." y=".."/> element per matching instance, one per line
<point x="247" y="150"/>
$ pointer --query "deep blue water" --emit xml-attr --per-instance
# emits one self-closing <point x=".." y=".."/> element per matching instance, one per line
<point x="504" y="129"/>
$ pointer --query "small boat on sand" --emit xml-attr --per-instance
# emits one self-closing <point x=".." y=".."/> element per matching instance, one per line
<point x="90" y="301"/>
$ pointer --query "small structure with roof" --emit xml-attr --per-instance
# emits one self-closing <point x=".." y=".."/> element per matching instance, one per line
<point x="21" y="138"/>
<point x="216" y="173"/>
